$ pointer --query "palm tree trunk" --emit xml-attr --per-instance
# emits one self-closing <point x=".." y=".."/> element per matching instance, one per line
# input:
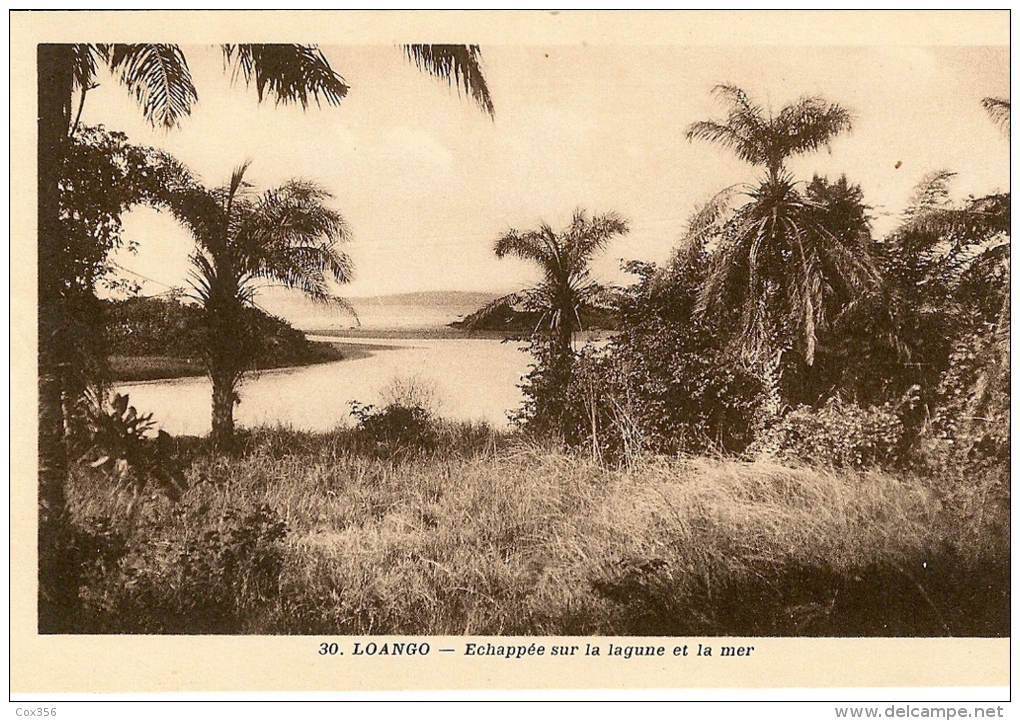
<point x="223" y="398"/>
<point x="225" y="334"/>
<point x="563" y="351"/>
<point x="561" y="367"/>
<point x="772" y="400"/>
<point x="56" y="587"/>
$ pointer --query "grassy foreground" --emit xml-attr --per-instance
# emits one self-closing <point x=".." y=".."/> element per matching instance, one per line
<point x="337" y="534"/>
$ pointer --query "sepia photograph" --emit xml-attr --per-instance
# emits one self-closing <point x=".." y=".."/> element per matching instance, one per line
<point x="646" y="332"/>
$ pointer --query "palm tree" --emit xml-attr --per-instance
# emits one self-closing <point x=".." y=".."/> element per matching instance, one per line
<point x="159" y="78"/>
<point x="567" y="288"/>
<point x="286" y="235"/>
<point x="560" y="299"/>
<point x="780" y="259"/>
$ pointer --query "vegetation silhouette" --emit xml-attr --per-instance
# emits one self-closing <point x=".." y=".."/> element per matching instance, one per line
<point x="780" y="259"/>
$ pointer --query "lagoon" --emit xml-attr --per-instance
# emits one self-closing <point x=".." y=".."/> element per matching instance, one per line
<point x="466" y="379"/>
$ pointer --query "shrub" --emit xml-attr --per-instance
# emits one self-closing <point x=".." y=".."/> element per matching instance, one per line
<point x="230" y="570"/>
<point x="90" y="556"/>
<point x="119" y="446"/>
<point x="396" y="427"/>
<point x="666" y="383"/>
<point x="836" y="435"/>
<point x="974" y="396"/>
<point x="547" y="410"/>
<point x="411" y="391"/>
<point x="965" y="446"/>
<point x="689" y="390"/>
<point x="217" y="574"/>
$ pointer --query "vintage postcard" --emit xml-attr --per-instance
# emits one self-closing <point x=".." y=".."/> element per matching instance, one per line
<point x="501" y="351"/>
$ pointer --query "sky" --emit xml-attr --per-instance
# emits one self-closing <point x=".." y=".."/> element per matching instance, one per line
<point x="427" y="181"/>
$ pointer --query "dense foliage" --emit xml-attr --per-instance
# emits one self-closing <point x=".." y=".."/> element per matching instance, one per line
<point x="665" y="383"/>
<point x="912" y="373"/>
<point x="784" y="328"/>
<point x="101" y="176"/>
<point x="165" y="327"/>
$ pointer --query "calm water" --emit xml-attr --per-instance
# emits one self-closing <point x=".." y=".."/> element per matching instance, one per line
<point x="468" y="379"/>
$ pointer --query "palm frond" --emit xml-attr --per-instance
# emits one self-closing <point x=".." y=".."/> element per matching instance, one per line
<point x="931" y="193"/>
<point x="586" y="236"/>
<point x="84" y="65"/>
<point x="941" y="244"/>
<point x="531" y="245"/>
<point x="305" y="268"/>
<point x="298" y="212"/>
<point x="459" y="65"/>
<point x="746" y="118"/>
<point x="710" y="219"/>
<point x="291" y="223"/>
<point x="490" y="309"/>
<point x="175" y="176"/>
<point x="739" y="102"/>
<point x="789" y="275"/>
<point x="744" y="130"/>
<point x="808" y="125"/>
<point x="727" y="136"/>
<point x="345" y="305"/>
<point x="998" y="109"/>
<point x="159" y="78"/>
<point x="290" y="73"/>
<point x="237" y="178"/>
<point x="727" y="270"/>
<point x="202" y="277"/>
<point x="936" y="230"/>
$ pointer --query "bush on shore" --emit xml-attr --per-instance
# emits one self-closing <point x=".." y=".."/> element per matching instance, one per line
<point x="151" y="338"/>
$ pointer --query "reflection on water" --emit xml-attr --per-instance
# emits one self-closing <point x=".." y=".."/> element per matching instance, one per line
<point x="470" y="380"/>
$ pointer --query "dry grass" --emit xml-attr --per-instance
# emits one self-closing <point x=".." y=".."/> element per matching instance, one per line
<point x="488" y="536"/>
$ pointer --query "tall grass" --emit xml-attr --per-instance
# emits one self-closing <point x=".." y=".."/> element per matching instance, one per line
<point x="327" y="533"/>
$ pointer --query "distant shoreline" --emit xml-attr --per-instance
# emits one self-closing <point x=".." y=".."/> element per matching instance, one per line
<point x="439" y="333"/>
<point x="417" y="333"/>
